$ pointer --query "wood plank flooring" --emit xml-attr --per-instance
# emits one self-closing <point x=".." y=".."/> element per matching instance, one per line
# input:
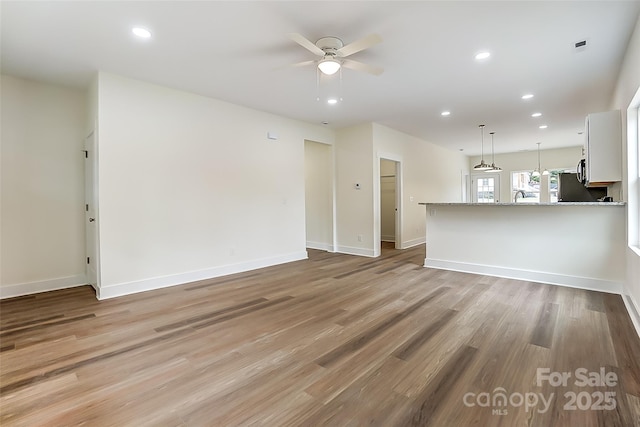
<point x="333" y="340"/>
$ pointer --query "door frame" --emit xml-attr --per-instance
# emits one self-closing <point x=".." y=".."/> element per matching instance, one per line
<point x="91" y="209"/>
<point x="377" y="225"/>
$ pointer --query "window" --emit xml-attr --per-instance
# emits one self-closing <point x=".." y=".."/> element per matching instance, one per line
<point x="635" y="204"/>
<point x="525" y="188"/>
<point x="633" y="173"/>
<point x="553" y="182"/>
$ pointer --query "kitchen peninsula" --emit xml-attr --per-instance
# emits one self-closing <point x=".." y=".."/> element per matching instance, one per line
<point x="571" y="244"/>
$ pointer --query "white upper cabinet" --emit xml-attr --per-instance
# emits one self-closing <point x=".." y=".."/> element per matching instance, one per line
<point x="603" y="148"/>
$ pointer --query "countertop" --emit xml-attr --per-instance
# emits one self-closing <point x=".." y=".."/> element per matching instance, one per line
<point x="525" y="204"/>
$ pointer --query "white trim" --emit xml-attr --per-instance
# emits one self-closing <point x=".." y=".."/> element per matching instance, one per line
<point x="413" y="242"/>
<point x="93" y="146"/>
<point x="127" y="288"/>
<point x="320" y="246"/>
<point x="634" y="311"/>
<point x="350" y="250"/>
<point x="19" y="289"/>
<point x="588" y="283"/>
<point x="388" y="238"/>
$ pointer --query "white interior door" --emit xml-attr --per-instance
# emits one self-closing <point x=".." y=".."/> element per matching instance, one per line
<point x="90" y="197"/>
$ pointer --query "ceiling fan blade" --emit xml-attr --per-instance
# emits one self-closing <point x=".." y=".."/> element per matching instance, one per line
<point x="303" y="63"/>
<point x="359" y="66"/>
<point x="358" y="45"/>
<point x="306" y="44"/>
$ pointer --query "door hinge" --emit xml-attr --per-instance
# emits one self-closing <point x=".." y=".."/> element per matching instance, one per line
<point x="86" y="208"/>
<point x="86" y="154"/>
<point x="88" y="260"/>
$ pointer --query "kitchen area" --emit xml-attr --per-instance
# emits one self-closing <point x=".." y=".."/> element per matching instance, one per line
<point x="566" y="227"/>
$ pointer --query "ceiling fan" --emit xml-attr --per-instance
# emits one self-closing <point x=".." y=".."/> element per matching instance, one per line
<point x="333" y="53"/>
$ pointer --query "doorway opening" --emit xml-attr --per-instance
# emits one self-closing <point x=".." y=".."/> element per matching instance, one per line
<point x="388" y="207"/>
<point x="388" y="231"/>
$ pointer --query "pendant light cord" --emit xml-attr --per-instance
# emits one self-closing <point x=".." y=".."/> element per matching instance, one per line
<point x="481" y="144"/>
<point x="493" y="154"/>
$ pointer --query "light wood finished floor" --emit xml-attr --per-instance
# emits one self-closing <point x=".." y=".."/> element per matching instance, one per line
<point x="334" y="340"/>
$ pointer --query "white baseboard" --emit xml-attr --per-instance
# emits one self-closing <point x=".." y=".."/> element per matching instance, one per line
<point x="633" y="308"/>
<point x="413" y="242"/>
<point x="588" y="283"/>
<point x="350" y="250"/>
<point x="121" y="289"/>
<point x="10" y="291"/>
<point x="320" y="246"/>
<point x="385" y="238"/>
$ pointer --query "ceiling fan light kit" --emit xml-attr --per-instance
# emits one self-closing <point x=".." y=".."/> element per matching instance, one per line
<point x="329" y="66"/>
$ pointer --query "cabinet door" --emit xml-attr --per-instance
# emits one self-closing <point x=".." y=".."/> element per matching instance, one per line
<point x="604" y="147"/>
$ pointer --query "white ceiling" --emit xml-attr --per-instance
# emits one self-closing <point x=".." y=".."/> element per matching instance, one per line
<point x="238" y="51"/>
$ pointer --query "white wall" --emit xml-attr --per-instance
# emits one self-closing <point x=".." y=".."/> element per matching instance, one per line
<point x="627" y="86"/>
<point x="430" y="173"/>
<point x="354" y="208"/>
<point x="318" y="167"/>
<point x="528" y="160"/>
<point x="190" y="187"/>
<point x="42" y="219"/>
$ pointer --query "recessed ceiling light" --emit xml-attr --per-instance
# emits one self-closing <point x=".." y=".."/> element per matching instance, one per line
<point x="543" y="126"/>
<point x="445" y="113"/>
<point x="325" y="123"/>
<point x="527" y="96"/>
<point x="332" y="101"/>
<point x="482" y="55"/>
<point x="536" y="114"/>
<point x="141" y="32"/>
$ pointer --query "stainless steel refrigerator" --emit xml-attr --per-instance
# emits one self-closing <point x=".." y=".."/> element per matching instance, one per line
<point x="572" y="190"/>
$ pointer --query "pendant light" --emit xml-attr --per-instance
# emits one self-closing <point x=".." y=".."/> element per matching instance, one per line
<point x="536" y="172"/>
<point x="482" y="166"/>
<point x="494" y="168"/>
